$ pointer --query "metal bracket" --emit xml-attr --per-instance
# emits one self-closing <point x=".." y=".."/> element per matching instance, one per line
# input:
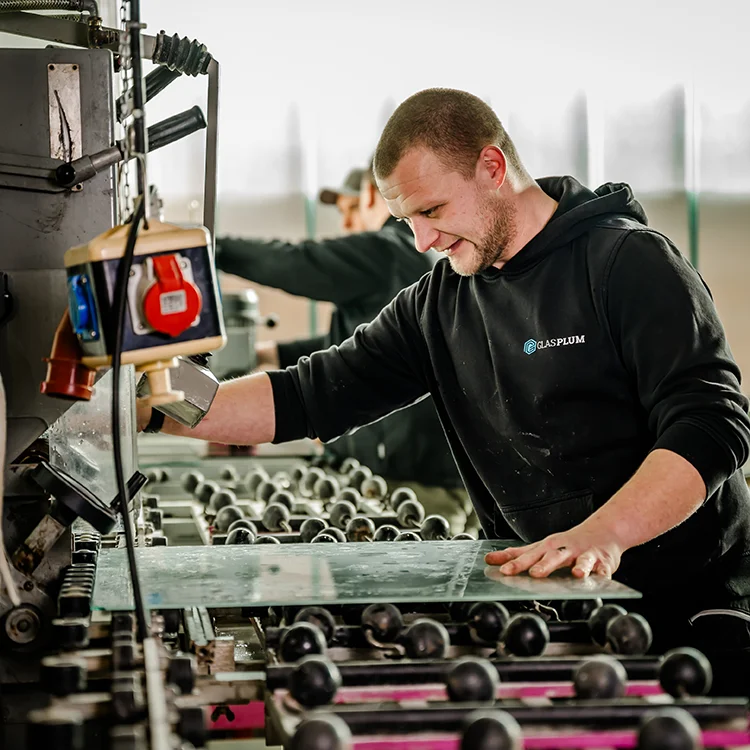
<point x="23" y="172"/>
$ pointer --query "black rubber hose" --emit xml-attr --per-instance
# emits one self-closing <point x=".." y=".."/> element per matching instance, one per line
<point x="80" y="6"/>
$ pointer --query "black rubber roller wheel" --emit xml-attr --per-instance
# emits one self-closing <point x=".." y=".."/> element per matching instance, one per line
<point x="341" y="513"/>
<point x="386" y="533"/>
<point x="240" y="536"/>
<point x="472" y="680"/>
<point x="491" y="730"/>
<point x="487" y="622"/>
<point x="314" y="681"/>
<point x="243" y="523"/>
<point x="401" y="495"/>
<point x="435" y="529"/>
<point x="629" y="635"/>
<point x="337" y="534"/>
<point x="669" y="728"/>
<point x="309" y="480"/>
<point x="426" y="639"/>
<point x="374" y="488"/>
<point x="350" y="495"/>
<point x="321" y="618"/>
<point x="63" y="675"/>
<point x="324" y="538"/>
<point x="191" y="725"/>
<point x="360" y="529"/>
<point x="578" y="609"/>
<point x="265" y="490"/>
<point x="229" y="473"/>
<point x="297" y="473"/>
<point x="599" y="677"/>
<point x="267" y="539"/>
<point x="358" y="476"/>
<point x="190" y="480"/>
<point x="301" y="639"/>
<point x="599" y="620"/>
<point x="310" y="528"/>
<point x="205" y="491"/>
<point x="181" y="671"/>
<point x="383" y="620"/>
<point x="526" y="634"/>
<point x="408" y="536"/>
<point x="685" y="672"/>
<point x="463" y="538"/>
<point x="253" y="479"/>
<point x="348" y="465"/>
<point x="325" y="732"/>
<point x="283" y="497"/>
<point x="226" y="517"/>
<point x="276" y="517"/>
<point x="410" y="514"/>
<point x="325" y="488"/>
<point x="55" y="727"/>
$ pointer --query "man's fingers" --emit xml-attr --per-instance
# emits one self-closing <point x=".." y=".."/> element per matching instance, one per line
<point x="522" y="562"/>
<point x="503" y="555"/>
<point x="553" y="560"/>
<point x="584" y="564"/>
<point x="603" y="569"/>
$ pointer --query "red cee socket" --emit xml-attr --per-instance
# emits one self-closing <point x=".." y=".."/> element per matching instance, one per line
<point x="172" y="303"/>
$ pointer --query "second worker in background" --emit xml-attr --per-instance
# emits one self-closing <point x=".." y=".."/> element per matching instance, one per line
<point x="360" y="273"/>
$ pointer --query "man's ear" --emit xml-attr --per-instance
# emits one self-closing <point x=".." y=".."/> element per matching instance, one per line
<point x="492" y="166"/>
<point x="370" y="194"/>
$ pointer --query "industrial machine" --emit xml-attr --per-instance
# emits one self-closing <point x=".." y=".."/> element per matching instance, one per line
<point x="154" y="604"/>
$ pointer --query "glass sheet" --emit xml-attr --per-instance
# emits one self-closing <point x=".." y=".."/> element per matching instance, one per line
<point x="235" y="576"/>
<point x="80" y="442"/>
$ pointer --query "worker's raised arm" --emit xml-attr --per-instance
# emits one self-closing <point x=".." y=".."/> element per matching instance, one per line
<point x="332" y="270"/>
<point x="381" y="368"/>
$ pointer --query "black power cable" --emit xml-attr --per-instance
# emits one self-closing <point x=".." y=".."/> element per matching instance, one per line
<point x="120" y="300"/>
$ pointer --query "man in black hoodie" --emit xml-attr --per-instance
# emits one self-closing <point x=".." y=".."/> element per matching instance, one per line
<point x="360" y="273"/>
<point x="578" y="366"/>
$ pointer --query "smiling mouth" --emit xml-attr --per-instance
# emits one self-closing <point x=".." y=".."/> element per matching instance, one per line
<point x="452" y="248"/>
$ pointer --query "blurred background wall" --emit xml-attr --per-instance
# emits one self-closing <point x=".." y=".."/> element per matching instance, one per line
<point x="653" y="93"/>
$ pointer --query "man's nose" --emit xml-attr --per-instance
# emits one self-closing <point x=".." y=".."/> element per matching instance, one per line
<point x="425" y="236"/>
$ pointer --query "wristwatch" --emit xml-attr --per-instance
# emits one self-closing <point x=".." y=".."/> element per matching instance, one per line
<point x="156" y="422"/>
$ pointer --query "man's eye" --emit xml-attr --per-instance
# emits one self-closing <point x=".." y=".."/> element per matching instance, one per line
<point x="429" y="212"/>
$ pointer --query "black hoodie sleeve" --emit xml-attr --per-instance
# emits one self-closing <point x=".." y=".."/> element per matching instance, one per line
<point x="291" y="351"/>
<point x="376" y="371"/>
<point x="671" y="340"/>
<point x="336" y="270"/>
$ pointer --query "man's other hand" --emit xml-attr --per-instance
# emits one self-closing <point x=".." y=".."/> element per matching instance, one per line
<point x="577" y="549"/>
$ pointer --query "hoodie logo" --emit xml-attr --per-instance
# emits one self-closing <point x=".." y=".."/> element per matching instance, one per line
<point x="531" y="345"/>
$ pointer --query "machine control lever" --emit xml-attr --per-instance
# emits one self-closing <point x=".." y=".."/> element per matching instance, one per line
<point x="161" y="134"/>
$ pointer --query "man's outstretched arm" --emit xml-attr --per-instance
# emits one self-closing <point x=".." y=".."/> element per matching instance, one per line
<point x="242" y="414"/>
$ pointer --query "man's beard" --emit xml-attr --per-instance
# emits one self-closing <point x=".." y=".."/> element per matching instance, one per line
<point x="501" y="222"/>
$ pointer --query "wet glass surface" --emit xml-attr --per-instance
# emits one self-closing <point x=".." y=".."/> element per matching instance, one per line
<point x="80" y="442"/>
<point x="235" y="576"/>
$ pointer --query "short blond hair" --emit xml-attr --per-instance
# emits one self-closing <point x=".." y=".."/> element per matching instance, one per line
<point x="454" y="124"/>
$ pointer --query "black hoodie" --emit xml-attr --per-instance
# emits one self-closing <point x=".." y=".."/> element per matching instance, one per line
<point x="554" y="377"/>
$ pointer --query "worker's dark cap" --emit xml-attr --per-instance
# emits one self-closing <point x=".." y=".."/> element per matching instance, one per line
<point x="350" y="187"/>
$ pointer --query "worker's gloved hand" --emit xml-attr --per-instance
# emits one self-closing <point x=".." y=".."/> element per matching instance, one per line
<point x="582" y="550"/>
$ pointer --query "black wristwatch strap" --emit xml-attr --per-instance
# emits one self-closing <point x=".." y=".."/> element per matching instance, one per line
<point x="156" y="422"/>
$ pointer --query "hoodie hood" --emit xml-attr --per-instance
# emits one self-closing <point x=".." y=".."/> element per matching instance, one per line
<point x="578" y="210"/>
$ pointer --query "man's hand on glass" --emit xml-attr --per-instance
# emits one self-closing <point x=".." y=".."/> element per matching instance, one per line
<point x="585" y="551"/>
